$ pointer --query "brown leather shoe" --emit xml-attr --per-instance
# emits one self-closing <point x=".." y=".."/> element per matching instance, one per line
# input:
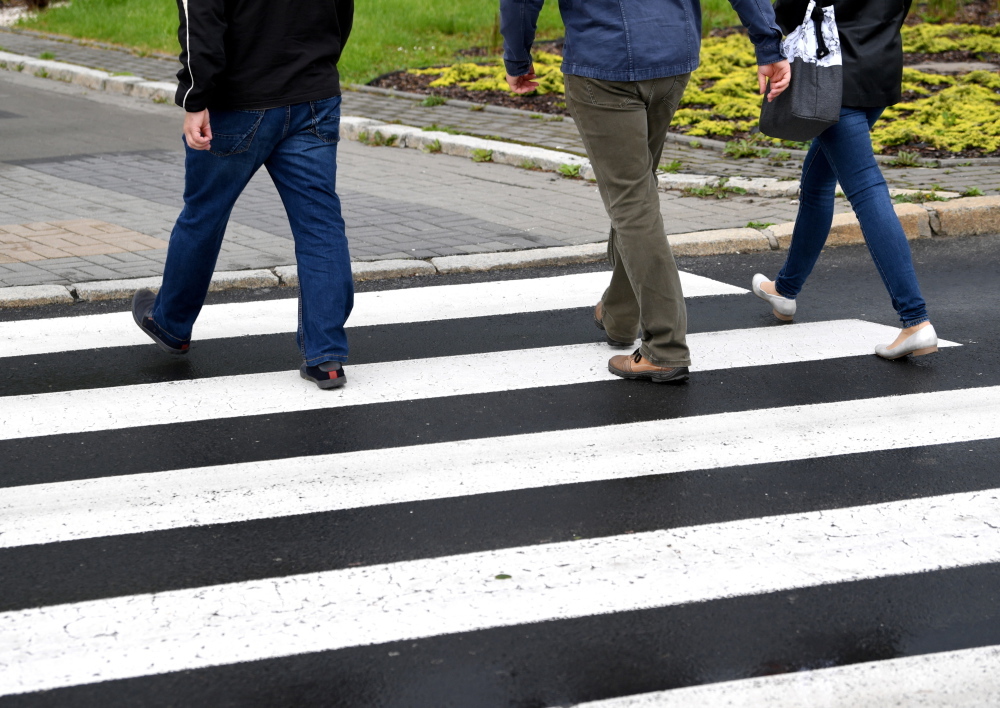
<point x="636" y="366"/>
<point x="599" y="321"/>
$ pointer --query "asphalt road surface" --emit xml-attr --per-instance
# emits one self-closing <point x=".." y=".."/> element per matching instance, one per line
<point x="41" y="118"/>
<point x="485" y="517"/>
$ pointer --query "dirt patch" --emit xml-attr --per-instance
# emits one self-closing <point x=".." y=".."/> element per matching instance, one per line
<point x="953" y="56"/>
<point x="552" y="104"/>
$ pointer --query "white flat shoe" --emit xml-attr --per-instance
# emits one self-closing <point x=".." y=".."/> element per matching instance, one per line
<point x="783" y="307"/>
<point x="923" y="341"/>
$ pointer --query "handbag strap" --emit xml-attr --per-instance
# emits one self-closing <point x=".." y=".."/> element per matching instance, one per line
<point x="822" y="51"/>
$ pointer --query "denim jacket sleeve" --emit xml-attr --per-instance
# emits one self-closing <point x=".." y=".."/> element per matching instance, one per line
<point x="518" y="23"/>
<point x="758" y="17"/>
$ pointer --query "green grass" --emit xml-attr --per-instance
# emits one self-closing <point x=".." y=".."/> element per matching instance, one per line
<point x="388" y="34"/>
<point x="147" y="25"/>
<point x="717" y="14"/>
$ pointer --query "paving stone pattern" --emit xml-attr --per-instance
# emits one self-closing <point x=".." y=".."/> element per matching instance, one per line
<point x="398" y="203"/>
<point x="111" y="60"/>
<point x="66" y="239"/>
<point x="558" y="135"/>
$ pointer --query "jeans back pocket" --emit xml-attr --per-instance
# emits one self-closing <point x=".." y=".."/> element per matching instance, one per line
<point x="326" y="119"/>
<point x="233" y="131"/>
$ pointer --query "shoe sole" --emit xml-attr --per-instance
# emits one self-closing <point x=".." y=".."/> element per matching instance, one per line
<point x="325" y="385"/>
<point x="162" y="345"/>
<point x="915" y="352"/>
<point x="655" y="378"/>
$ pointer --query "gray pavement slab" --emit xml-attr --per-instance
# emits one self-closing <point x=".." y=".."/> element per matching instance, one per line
<point x="107" y="59"/>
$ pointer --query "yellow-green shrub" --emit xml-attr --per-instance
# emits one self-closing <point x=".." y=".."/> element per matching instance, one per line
<point x="949" y="113"/>
<point x="492" y="77"/>
<point x="722" y="97"/>
<point x="962" y="116"/>
<point x="931" y="39"/>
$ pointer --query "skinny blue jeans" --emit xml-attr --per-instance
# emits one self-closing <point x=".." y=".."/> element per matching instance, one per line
<point x="844" y="152"/>
<point x="298" y="146"/>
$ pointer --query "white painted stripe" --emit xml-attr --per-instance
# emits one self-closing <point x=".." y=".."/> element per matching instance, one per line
<point x="438" y="302"/>
<point x="969" y="678"/>
<point x="138" y="635"/>
<point x="114" y="408"/>
<point x="91" y="508"/>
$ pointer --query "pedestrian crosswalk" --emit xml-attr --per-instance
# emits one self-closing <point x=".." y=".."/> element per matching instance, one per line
<point x="372" y="308"/>
<point x="499" y="524"/>
<point x="255" y="394"/>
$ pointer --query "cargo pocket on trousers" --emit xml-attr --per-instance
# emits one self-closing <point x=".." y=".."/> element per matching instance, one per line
<point x="233" y="131"/>
<point x="326" y="119"/>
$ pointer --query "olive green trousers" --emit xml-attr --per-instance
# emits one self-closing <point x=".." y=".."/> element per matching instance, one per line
<point x="623" y="125"/>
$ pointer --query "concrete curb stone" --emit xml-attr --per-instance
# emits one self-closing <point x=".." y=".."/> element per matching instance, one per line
<point x="222" y="280"/>
<point x="288" y="275"/>
<point x="114" y="289"/>
<point x="559" y="255"/>
<point x="391" y="268"/>
<point x="89" y="78"/>
<point x="846" y="231"/>
<point x="969" y="216"/>
<point x="501" y="152"/>
<point x="915" y="219"/>
<point x="250" y="279"/>
<point x="719" y="241"/>
<point x="31" y="295"/>
<point x="367" y="270"/>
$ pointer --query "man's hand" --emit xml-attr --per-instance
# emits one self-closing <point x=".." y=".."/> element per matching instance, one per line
<point x="523" y="84"/>
<point x="780" y="73"/>
<point x="197" y="131"/>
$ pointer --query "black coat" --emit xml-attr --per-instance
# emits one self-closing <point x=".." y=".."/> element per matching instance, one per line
<point x="871" y="43"/>
<point x="253" y="54"/>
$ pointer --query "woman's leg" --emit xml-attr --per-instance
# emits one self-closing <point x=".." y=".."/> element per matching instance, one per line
<point x="812" y="223"/>
<point x="847" y="147"/>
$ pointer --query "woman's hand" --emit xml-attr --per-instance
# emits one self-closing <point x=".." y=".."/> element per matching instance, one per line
<point x="780" y="74"/>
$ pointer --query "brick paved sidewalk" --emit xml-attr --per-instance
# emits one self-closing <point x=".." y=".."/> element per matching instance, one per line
<point x="398" y="203"/>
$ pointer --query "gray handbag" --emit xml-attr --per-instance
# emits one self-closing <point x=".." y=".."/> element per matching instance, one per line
<point x="811" y="103"/>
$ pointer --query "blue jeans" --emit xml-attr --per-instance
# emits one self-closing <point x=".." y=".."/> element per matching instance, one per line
<point x="298" y="146"/>
<point x="844" y="152"/>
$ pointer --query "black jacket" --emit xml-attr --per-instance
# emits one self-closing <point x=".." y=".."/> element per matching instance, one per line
<point x="871" y="43"/>
<point x="253" y="54"/>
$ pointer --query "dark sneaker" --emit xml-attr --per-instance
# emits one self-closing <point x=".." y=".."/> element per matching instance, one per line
<point x="636" y="366"/>
<point x="322" y="377"/>
<point x="142" y="313"/>
<point x="599" y="321"/>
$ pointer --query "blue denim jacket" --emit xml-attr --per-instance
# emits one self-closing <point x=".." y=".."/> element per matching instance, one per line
<point x="630" y="40"/>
